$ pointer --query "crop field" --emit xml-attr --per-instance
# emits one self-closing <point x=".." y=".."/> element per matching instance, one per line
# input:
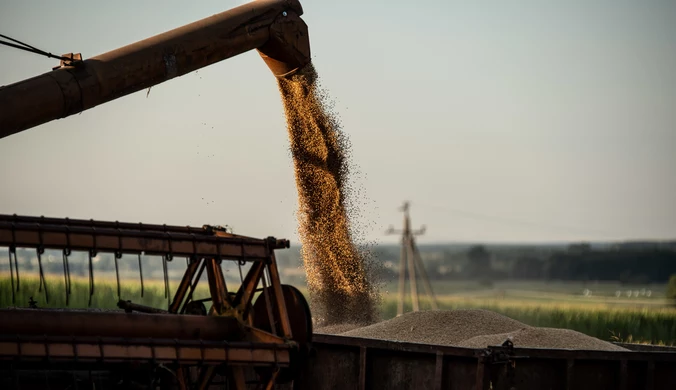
<point x="609" y="311"/>
<point x="600" y="313"/>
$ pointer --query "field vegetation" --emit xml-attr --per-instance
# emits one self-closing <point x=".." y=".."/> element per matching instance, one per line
<point x="562" y="305"/>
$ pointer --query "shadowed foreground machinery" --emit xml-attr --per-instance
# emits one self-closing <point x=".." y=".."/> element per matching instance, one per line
<point x="259" y="335"/>
<point x="194" y="340"/>
<point x="190" y="342"/>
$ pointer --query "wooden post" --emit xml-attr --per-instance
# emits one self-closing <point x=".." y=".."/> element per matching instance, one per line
<point x="402" y="280"/>
<point x="411" y="271"/>
<point x="410" y="258"/>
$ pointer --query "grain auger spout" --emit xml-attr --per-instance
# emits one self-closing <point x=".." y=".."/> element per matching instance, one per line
<point x="272" y="27"/>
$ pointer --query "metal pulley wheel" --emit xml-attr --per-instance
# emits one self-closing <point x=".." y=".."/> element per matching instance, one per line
<point x="300" y="320"/>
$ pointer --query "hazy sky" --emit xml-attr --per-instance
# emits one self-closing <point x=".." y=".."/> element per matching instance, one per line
<point x="499" y="121"/>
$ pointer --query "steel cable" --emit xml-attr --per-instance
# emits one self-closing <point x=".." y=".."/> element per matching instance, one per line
<point x="26" y="47"/>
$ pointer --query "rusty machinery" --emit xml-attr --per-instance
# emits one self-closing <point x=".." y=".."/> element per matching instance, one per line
<point x="272" y="27"/>
<point x="238" y="332"/>
<point x="260" y="332"/>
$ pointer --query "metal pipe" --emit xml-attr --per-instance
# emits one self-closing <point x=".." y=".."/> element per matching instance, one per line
<point x="129" y="306"/>
<point x="272" y="26"/>
<point x="280" y="303"/>
<point x="132" y="242"/>
<point x="186" y="282"/>
<point x="217" y="287"/>
<point x="193" y="285"/>
<point x="123" y="227"/>
<point x="117" y="324"/>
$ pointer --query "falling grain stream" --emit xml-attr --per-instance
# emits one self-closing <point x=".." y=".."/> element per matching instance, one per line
<point x="338" y="274"/>
<point x="340" y="277"/>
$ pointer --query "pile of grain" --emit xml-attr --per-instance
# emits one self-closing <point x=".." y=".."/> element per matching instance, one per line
<point x="543" y="338"/>
<point x="471" y="328"/>
<point x="339" y="276"/>
<point x="337" y="328"/>
<point x="441" y="327"/>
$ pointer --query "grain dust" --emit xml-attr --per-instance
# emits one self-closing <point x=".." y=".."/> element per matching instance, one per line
<point x="339" y="275"/>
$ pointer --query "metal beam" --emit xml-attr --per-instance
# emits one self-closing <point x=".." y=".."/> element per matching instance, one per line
<point x="115" y="350"/>
<point x="126" y="241"/>
<point x="55" y="322"/>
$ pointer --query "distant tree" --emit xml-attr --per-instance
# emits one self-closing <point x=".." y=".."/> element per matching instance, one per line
<point x="582" y="247"/>
<point x="479" y="261"/>
<point x="528" y="268"/>
<point x="626" y="266"/>
<point x="671" y="289"/>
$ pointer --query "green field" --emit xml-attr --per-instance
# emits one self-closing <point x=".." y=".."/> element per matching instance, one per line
<point x="562" y="305"/>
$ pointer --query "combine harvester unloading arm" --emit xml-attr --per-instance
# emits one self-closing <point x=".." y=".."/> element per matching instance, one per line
<point x="239" y="338"/>
<point x="272" y="27"/>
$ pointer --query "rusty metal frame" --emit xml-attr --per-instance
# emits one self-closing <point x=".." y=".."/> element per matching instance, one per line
<point x="239" y="306"/>
<point x="117" y="350"/>
<point x="17" y="232"/>
<point x="205" y="248"/>
<point x="186" y="284"/>
<point x="278" y="298"/>
<point x="495" y="367"/>
<point x="82" y="323"/>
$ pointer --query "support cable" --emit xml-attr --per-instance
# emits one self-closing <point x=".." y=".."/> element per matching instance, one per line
<point x="26" y="47"/>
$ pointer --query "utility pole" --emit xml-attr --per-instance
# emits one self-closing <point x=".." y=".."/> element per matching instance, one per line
<point x="411" y="256"/>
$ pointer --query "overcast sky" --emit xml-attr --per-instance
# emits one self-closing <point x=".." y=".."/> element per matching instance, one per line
<point x="521" y="121"/>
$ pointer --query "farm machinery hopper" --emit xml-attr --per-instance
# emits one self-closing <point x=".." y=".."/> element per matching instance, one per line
<point x="256" y="336"/>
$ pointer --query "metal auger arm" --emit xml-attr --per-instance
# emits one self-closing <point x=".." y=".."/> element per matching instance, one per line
<point x="272" y="27"/>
